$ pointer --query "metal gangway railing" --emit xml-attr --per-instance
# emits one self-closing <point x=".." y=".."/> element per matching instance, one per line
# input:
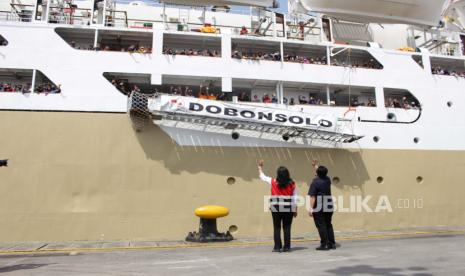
<point x="141" y="116"/>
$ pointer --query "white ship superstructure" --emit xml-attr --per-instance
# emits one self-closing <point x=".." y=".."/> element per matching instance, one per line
<point x="260" y="78"/>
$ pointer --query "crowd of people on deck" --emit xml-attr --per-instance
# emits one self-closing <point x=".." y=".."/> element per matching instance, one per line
<point x="208" y="93"/>
<point x="366" y="64"/>
<point x="369" y="103"/>
<point x="438" y="70"/>
<point x="13" y="87"/>
<point x="192" y="52"/>
<point x="45" y="88"/>
<point x="274" y="56"/>
<point x="305" y="59"/>
<point x="135" y="48"/>
<point x="123" y="86"/>
<point x="404" y="103"/>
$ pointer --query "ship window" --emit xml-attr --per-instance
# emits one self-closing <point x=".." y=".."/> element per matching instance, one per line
<point x="299" y="93"/>
<point x="15" y="80"/>
<point x="448" y="67"/>
<point x="174" y="85"/>
<point x="107" y="40"/>
<point x="348" y="57"/>
<point x="78" y="38"/>
<point x="419" y="60"/>
<point x="43" y="85"/>
<point x="304" y="94"/>
<point x="255" y="50"/>
<point x="126" y="82"/>
<point x="3" y="41"/>
<point x="352" y="96"/>
<point x="258" y="91"/>
<point x="20" y="81"/>
<point x="304" y="53"/>
<point x="192" y="45"/>
<point x="400" y="98"/>
<point x="200" y="87"/>
<point x="125" y="41"/>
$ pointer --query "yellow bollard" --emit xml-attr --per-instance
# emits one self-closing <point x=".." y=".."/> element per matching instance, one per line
<point x="208" y="231"/>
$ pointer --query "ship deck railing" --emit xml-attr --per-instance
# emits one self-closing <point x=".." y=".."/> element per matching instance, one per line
<point x="82" y="17"/>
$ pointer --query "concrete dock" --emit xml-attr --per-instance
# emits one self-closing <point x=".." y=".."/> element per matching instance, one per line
<point x="438" y="252"/>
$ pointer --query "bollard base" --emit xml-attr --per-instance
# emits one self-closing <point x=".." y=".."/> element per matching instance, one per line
<point x="208" y="233"/>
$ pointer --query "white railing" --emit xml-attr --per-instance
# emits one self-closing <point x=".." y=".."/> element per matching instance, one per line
<point x="9" y="16"/>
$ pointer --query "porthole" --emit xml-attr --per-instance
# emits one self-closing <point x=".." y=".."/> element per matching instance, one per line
<point x="391" y="116"/>
<point x="380" y="179"/>
<point x="233" y="229"/>
<point x="416" y="140"/>
<point x="376" y="139"/>
<point x="286" y="137"/>
<point x="235" y="135"/>
<point x="419" y="179"/>
<point x="231" y="181"/>
<point x="336" y="180"/>
<point x="450" y="104"/>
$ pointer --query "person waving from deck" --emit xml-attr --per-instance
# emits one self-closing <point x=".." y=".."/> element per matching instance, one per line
<point x="282" y="205"/>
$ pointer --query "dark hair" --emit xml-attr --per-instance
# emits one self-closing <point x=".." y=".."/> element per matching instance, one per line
<point x="322" y="171"/>
<point x="283" y="177"/>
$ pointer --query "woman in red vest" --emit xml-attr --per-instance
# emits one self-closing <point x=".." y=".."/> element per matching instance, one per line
<point x="282" y="205"/>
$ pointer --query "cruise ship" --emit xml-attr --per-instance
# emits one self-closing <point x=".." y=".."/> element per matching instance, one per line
<point x="118" y="119"/>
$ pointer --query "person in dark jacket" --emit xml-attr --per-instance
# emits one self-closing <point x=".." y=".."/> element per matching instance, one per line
<point x="322" y="207"/>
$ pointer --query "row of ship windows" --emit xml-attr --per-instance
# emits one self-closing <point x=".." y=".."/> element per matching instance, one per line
<point x="241" y="48"/>
<point x="210" y="46"/>
<point x="262" y="91"/>
<point x="23" y="81"/>
<point x="244" y="49"/>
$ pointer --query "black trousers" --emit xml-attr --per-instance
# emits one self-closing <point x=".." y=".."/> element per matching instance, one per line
<point x="325" y="227"/>
<point x="284" y="219"/>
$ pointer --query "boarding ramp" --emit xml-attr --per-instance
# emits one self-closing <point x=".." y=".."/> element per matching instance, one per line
<point x="191" y="113"/>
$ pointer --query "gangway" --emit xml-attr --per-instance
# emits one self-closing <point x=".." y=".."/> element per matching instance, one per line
<point x="144" y="109"/>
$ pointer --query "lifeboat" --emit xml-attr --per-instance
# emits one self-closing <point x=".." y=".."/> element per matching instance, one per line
<point x="415" y="12"/>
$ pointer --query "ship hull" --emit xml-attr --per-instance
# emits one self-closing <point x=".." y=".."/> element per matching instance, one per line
<point x="90" y="176"/>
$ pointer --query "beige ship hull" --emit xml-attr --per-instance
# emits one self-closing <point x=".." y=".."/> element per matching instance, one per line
<point x="90" y="176"/>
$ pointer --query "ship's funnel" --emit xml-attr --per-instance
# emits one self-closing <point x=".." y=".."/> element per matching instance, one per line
<point x="415" y="12"/>
<point x="255" y="3"/>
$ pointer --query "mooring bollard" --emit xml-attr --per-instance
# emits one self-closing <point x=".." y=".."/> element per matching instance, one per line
<point x="208" y="231"/>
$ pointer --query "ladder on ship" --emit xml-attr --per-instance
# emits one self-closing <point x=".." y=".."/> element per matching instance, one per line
<point x="236" y="125"/>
